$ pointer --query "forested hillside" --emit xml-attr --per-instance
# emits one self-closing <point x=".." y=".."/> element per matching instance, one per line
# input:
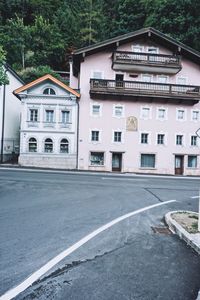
<point x="38" y="32"/>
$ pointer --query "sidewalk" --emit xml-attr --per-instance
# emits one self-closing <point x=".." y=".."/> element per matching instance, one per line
<point x="178" y="222"/>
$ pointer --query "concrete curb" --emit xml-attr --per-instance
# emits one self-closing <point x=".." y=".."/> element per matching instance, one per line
<point x="193" y="240"/>
<point x="189" y="238"/>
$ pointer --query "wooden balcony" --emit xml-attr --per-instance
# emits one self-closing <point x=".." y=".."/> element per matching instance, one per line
<point x="148" y="91"/>
<point x="146" y="62"/>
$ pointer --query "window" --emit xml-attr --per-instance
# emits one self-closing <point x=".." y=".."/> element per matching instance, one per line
<point x="160" y="139"/>
<point x="64" y="146"/>
<point x="117" y="136"/>
<point x="49" y="91"/>
<point x="144" y="138"/>
<point x="182" y="80"/>
<point x="94" y="135"/>
<point x="118" y="111"/>
<point x="193" y="140"/>
<point x="145" y="114"/>
<point x="49" y="116"/>
<point x="65" y="116"/>
<point x="33" y="115"/>
<point x="195" y="115"/>
<point x="48" y="146"/>
<point x="161" y="113"/>
<point x="162" y="79"/>
<point x="147" y="161"/>
<point x="153" y="50"/>
<point x="179" y="140"/>
<point x="180" y="114"/>
<point x="97" y="75"/>
<point x="146" y="78"/>
<point x="96" y="109"/>
<point x="32" y="145"/>
<point x="192" y="161"/>
<point x="97" y="158"/>
<point x="137" y="48"/>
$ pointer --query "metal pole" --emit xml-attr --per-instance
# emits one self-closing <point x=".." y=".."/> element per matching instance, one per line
<point x="3" y="121"/>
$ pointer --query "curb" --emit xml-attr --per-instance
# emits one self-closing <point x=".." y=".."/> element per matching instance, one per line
<point x="183" y="234"/>
<point x="189" y="238"/>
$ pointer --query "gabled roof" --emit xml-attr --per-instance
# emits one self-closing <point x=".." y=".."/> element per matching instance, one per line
<point x="153" y="34"/>
<point x="43" y="78"/>
<point x="8" y="67"/>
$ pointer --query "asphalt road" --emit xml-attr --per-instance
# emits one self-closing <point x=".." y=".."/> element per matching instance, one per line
<point x="42" y="214"/>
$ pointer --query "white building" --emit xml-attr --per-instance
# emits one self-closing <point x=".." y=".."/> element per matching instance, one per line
<point x="48" y="133"/>
<point x="9" y="116"/>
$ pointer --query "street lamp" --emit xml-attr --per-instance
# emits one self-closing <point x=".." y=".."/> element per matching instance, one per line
<point x="198" y="135"/>
<point x="3" y="117"/>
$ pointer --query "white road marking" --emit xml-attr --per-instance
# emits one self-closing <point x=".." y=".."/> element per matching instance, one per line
<point x="124" y="179"/>
<point x="195" y="197"/>
<point x="36" y="275"/>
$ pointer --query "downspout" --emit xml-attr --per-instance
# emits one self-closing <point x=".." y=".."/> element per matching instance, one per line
<point x="77" y="141"/>
<point x="3" y="119"/>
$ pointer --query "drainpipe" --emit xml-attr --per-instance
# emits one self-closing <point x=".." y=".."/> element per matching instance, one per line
<point x="77" y="141"/>
<point x="3" y="119"/>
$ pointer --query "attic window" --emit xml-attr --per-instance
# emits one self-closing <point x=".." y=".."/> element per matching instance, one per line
<point x="49" y="91"/>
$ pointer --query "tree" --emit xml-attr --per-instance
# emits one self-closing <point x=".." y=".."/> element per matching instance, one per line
<point x="31" y="73"/>
<point x="3" y="75"/>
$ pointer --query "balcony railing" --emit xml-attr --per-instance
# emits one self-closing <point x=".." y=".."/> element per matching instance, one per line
<point x="140" y="88"/>
<point x="136" y="60"/>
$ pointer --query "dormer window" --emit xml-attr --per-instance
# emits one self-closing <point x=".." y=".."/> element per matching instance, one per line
<point x="49" y="91"/>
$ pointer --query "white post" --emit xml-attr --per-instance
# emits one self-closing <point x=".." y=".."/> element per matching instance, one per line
<point x="199" y="213"/>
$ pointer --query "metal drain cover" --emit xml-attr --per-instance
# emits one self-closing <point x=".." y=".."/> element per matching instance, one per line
<point x="161" y="230"/>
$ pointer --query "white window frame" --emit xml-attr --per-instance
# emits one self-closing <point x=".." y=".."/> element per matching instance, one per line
<point x="90" y="136"/>
<point x="49" y="87"/>
<point x="122" y="136"/>
<point x="196" y="161"/>
<point x="162" y="75"/>
<point x="148" y="138"/>
<point x="160" y="133"/>
<point x="50" y="109"/>
<point x="182" y="77"/>
<point x="157" y="113"/>
<point x="104" y="158"/>
<point x="35" y="109"/>
<point x="141" y="112"/>
<point x="149" y="47"/>
<point x="183" y="139"/>
<point x="152" y="168"/>
<point x="193" y="135"/>
<point x="137" y="46"/>
<point x="185" y="114"/>
<point x="100" y="109"/>
<point x="70" y="115"/>
<point x="195" y="110"/>
<point x="97" y="71"/>
<point x="147" y="74"/>
<point x="114" y="110"/>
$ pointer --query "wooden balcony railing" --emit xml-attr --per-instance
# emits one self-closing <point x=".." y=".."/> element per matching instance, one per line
<point x="146" y="58"/>
<point x="101" y="86"/>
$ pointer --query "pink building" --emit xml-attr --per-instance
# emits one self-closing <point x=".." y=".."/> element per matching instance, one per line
<point x="139" y="108"/>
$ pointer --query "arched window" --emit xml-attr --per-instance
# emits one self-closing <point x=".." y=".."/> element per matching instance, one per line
<point x="49" y="91"/>
<point x="32" y="145"/>
<point x="48" y="145"/>
<point x="64" y="146"/>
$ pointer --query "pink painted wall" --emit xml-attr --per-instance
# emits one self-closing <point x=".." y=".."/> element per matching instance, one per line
<point x="131" y="145"/>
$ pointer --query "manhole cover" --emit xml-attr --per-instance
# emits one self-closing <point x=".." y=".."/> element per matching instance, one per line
<point x="161" y="230"/>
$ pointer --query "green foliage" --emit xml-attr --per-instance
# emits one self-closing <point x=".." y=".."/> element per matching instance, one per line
<point x="3" y="75"/>
<point x="37" y="32"/>
<point x="29" y="74"/>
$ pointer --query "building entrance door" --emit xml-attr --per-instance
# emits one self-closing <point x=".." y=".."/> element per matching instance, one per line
<point x="179" y="163"/>
<point x="117" y="162"/>
<point x="119" y="78"/>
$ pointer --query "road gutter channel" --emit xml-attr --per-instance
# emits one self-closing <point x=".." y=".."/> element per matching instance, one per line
<point x="43" y="270"/>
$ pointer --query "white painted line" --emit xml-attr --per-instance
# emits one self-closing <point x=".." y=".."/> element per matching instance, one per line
<point x="195" y="197"/>
<point x="124" y="179"/>
<point x="36" y="275"/>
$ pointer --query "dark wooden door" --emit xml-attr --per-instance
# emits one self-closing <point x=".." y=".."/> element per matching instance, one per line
<point x="116" y="162"/>
<point x="119" y="78"/>
<point x="179" y="163"/>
